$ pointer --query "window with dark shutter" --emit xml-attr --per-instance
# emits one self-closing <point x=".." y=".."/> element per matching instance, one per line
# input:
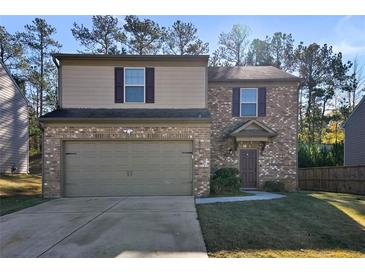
<point x="248" y="102"/>
<point x="119" y="85"/>
<point x="150" y="85"/>
<point x="261" y="101"/>
<point x="236" y="102"/>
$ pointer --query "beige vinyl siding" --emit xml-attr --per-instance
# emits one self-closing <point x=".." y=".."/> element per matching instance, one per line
<point x="93" y="87"/>
<point x="13" y="126"/>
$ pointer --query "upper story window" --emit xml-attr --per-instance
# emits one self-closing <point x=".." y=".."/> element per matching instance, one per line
<point x="134" y="85"/>
<point x="248" y="101"/>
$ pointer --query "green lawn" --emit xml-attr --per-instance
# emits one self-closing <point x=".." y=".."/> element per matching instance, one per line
<point x="19" y="191"/>
<point x="304" y="224"/>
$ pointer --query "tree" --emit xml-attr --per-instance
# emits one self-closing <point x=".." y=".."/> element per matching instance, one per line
<point x="355" y="85"/>
<point x="11" y="49"/>
<point x="334" y="133"/>
<point x="259" y="53"/>
<point x="281" y="48"/>
<point x="181" y="39"/>
<point x="104" y="36"/>
<point x="323" y="73"/>
<point x="233" y="45"/>
<point x="144" y="36"/>
<point x="38" y="38"/>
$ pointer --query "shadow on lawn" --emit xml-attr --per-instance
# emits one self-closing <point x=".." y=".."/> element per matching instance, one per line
<point x="298" y="222"/>
<point x="20" y="184"/>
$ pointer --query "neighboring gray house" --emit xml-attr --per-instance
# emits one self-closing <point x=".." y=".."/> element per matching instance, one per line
<point x="13" y="126"/>
<point x="355" y="136"/>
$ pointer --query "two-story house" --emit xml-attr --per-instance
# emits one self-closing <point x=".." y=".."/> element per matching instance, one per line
<point x="160" y="125"/>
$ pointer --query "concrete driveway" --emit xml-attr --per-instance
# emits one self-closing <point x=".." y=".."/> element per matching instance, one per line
<point x="104" y="227"/>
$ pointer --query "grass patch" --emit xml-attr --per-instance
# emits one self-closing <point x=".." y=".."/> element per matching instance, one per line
<point x="230" y="194"/>
<point x="12" y="204"/>
<point x="19" y="191"/>
<point x="22" y="184"/>
<point x="304" y="224"/>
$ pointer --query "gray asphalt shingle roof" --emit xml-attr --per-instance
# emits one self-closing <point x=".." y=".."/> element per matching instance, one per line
<point x="120" y="114"/>
<point x="264" y="73"/>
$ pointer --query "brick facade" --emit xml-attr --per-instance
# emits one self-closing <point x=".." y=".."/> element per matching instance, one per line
<point x="276" y="159"/>
<point x="212" y="146"/>
<point x="56" y="134"/>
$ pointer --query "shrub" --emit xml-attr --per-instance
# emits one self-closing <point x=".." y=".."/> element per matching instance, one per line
<point x="226" y="180"/>
<point x="315" y="155"/>
<point x="274" y="186"/>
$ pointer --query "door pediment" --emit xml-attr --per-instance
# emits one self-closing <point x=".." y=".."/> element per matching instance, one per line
<point x="253" y="130"/>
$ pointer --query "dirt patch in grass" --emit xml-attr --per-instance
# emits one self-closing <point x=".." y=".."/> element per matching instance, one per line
<point x="300" y="225"/>
<point x="23" y="185"/>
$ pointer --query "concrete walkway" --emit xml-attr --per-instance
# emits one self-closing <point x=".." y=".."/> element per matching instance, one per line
<point x="104" y="227"/>
<point x="258" y="195"/>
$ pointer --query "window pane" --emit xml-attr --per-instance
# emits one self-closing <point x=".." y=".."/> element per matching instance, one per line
<point x="134" y="94"/>
<point x="248" y="95"/>
<point x="134" y="77"/>
<point x="248" y="109"/>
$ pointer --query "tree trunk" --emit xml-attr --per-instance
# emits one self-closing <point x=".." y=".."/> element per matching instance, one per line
<point x="300" y="111"/>
<point x="42" y="75"/>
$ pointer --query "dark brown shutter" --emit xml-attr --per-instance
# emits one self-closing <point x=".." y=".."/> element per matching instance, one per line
<point x="236" y="102"/>
<point x="150" y="85"/>
<point x="262" y="102"/>
<point x="119" y="85"/>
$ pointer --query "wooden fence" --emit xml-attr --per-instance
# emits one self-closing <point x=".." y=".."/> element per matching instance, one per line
<point x="347" y="179"/>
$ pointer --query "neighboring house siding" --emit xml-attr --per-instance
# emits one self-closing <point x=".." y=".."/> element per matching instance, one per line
<point x="276" y="159"/>
<point x="13" y="126"/>
<point x="355" y="137"/>
<point x="93" y="87"/>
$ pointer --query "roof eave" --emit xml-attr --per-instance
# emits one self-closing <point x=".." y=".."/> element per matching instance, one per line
<point x="62" y="56"/>
<point x="295" y="80"/>
<point x="73" y="119"/>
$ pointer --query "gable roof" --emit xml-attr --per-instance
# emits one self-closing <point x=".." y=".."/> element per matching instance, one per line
<point x="253" y="128"/>
<point x="2" y="65"/>
<point x="125" y="114"/>
<point x="362" y="102"/>
<point x="249" y="73"/>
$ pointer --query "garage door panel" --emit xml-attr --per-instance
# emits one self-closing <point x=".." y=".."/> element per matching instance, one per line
<point x="128" y="168"/>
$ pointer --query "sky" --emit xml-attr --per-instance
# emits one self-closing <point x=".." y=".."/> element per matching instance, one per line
<point x="344" y="33"/>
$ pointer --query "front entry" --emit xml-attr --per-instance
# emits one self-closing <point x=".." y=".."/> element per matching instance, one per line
<point x="248" y="167"/>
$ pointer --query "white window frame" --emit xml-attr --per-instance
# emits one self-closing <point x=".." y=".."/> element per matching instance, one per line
<point x="144" y="85"/>
<point x="257" y="102"/>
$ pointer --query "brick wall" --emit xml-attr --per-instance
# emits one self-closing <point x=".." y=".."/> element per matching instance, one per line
<point x="54" y="135"/>
<point x="278" y="159"/>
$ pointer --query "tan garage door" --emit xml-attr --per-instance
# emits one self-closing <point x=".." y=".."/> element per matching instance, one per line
<point x="128" y="168"/>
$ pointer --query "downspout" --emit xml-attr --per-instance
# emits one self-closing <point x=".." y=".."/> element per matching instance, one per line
<point x="58" y="81"/>
<point x="42" y="174"/>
